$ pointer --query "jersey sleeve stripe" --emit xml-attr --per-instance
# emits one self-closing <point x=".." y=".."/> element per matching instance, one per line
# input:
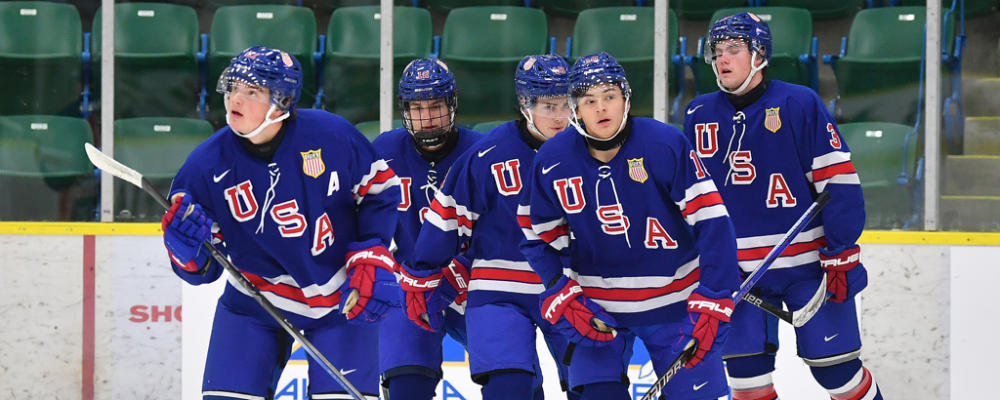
<point x="697" y="190"/>
<point x="453" y="215"/>
<point x="446" y="225"/>
<point x="702" y="201"/>
<point x="825" y="173"/>
<point x="552" y="234"/>
<point x="794" y="249"/>
<point x="718" y="210"/>
<point x="375" y="185"/>
<point x="446" y="201"/>
<point x="831" y="158"/>
<point x="292" y="299"/>
<point x="505" y="275"/>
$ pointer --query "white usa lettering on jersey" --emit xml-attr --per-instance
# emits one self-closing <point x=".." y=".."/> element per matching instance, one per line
<point x="244" y="207"/>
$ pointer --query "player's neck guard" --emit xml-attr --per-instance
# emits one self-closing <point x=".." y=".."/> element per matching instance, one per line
<point x="753" y="71"/>
<point x="529" y="118"/>
<point x="603" y="144"/>
<point x="526" y="135"/>
<point x="267" y="120"/>
<point x="449" y="140"/>
<point x="751" y="96"/>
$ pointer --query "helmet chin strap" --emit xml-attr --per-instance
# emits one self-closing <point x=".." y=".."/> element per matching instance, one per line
<point x="267" y="120"/>
<point x="531" y="123"/>
<point x="575" y="121"/>
<point x="753" y="71"/>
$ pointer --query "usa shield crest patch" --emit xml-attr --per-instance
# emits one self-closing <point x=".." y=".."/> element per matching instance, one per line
<point x="636" y="170"/>
<point x="312" y="163"/>
<point x="772" y="121"/>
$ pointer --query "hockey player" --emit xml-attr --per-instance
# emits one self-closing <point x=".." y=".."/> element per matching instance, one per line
<point x="420" y="153"/>
<point x="477" y="207"/>
<point x="653" y="253"/>
<point x="306" y="211"/>
<point x="782" y="149"/>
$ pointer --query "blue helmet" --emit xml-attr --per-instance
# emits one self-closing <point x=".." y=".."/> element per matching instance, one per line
<point x="274" y="70"/>
<point x="427" y="79"/>
<point x="594" y="69"/>
<point x="542" y="76"/>
<point x="746" y="26"/>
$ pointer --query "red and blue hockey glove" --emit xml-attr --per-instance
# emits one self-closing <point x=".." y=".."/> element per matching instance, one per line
<point x="456" y="274"/>
<point x="708" y="321"/>
<point x="184" y="235"/>
<point x="575" y="316"/>
<point x="845" y="276"/>
<point x="370" y="288"/>
<point x="422" y="299"/>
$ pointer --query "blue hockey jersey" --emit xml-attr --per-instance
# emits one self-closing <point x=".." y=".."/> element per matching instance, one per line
<point x="287" y="224"/>
<point x="781" y="151"/>
<point x="478" y="205"/>
<point x="419" y="180"/>
<point x="648" y="227"/>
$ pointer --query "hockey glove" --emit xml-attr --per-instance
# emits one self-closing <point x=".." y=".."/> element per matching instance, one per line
<point x="575" y="316"/>
<point x="845" y="276"/>
<point x="370" y="288"/>
<point x="456" y="274"/>
<point x="184" y="234"/>
<point x="708" y="321"/>
<point x="422" y="299"/>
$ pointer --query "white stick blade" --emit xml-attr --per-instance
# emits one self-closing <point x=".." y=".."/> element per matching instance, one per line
<point x="109" y="165"/>
<point x="804" y="314"/>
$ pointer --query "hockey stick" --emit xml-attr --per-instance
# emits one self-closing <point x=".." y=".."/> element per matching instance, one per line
<point x="109" y="165"/>
<point x="804" y="314"/>
<point x="691" y="347"/>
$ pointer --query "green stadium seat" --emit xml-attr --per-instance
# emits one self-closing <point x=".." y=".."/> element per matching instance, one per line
<point x="156" y="60"/>
<point x="702" y="9"/>
<point x="237" y="28"/>
<point x="41" y="47"/>
<point x="821" y="9"/>
<point x="877" y="155"/>
<point x="973" y="8"/>
<point x="627" y="34"/>
<point x="44" y="171"/>
<point x="793" y="46"/>
<point x="571" y="9"/>
<point x="371" y="129"/>
<point x="446" y="6"/>
<point x="487" y="126"/>
<point x="482" y="46"/>
<point x="878" y="71"/>
<point x="157" y="148"/>
<point x="226" y="3"/>
<point x="331" y="5"/>
<point x="351" y="64"/>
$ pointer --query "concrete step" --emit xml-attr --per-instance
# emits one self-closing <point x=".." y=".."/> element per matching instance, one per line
<point x="980" y="96"/>
<point x="970" y="213"/>
<point x="982" y="136"/>
<point x="971" y="176"/>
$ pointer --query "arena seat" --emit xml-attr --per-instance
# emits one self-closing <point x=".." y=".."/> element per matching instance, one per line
<point x="227" y="3"/>
<point x="157" y="148"/>
<point x="487" y="126"/>
<point x="371" y="129"/>
<point x="821" y="9"/>
<point x="878" y="70"/>
<point x="482" y="46"/>
<point x="332" y="5"/>
<point x="571" y="9"/>
<point x="41" y="52"/>
<point x="351" y="63"/>
<point x="627" y="34"/>
<point x="446" y="6"/>
<point x="237" y="28"/>
<point x="877" y="154"/>
<point x="44" y="171"/>
<point x="793" y="45"/>
<point x="156" y="60"/>
<point x="973" y="8"/>
<point x="703" y="9"/>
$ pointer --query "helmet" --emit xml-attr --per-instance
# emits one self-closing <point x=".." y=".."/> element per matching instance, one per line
<point x="427" y="79"/>
<point x="271" y="69"/>
<point x="541" y="76"/>
<point x="747" y="27"/>
<point x="592" y="70"/>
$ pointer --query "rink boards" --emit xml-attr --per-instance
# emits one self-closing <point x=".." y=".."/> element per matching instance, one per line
<point x="92" y="311"/>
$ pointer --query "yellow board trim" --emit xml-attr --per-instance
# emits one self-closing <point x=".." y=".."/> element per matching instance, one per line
<point x="80" y="228"/>
<point x="939" y="238"/>
<point x="153" y="229"/>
